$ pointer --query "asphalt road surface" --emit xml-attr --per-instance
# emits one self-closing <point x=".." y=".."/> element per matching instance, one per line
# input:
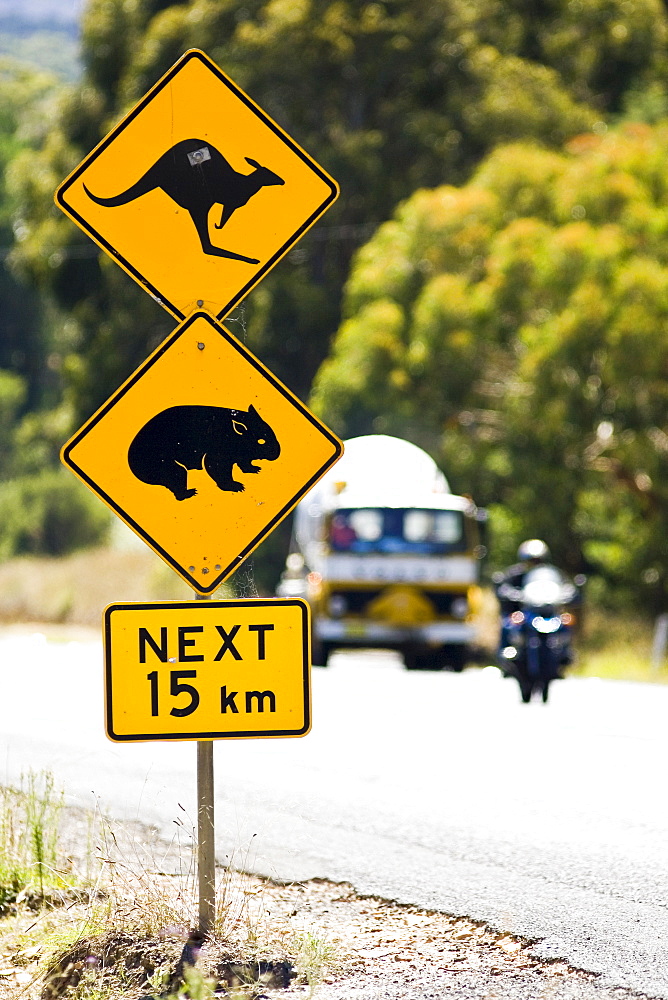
<point x="442" y="790"/>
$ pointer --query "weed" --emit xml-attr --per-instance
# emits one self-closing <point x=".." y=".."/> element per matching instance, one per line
<point x="158" y="980"/>
<point x="42" y="812"/>
<point x="120" y="933"/>
<point x="196" y="986"/>
<point x="315" y="956"/>
<point x="91" y="988"/>
<point x="29" y="827"/>
<point x="149" y="886"/>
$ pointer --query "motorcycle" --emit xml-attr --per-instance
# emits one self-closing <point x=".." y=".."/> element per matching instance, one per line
<point x="536" y="636"/>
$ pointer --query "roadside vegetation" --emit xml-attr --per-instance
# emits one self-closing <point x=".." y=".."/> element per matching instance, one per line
<point x="618" y="647"/>
<point x="89" y="911"/>
<point x="111" y="923"/>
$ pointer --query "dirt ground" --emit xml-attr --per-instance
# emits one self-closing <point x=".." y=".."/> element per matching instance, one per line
<point x="343" y="946"/>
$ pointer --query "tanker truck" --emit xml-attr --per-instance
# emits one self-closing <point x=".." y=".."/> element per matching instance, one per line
<point x="388" y="557"/>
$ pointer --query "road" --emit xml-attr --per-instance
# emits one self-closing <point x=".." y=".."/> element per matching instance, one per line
<point x="442" y="790"/>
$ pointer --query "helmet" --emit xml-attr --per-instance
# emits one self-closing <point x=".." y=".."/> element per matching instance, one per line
<point x="533" y="550"/>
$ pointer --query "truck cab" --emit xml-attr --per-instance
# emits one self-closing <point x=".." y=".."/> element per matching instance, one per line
<point x="387" y="557"/>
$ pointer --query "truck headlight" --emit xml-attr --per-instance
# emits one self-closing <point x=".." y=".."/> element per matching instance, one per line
<point x="338" y="605"/>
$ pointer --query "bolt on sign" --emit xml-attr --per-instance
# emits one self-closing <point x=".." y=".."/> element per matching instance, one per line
<point x="207" y="670"/>
<point x="202" y="452"/>
<point x="196" y="193"/>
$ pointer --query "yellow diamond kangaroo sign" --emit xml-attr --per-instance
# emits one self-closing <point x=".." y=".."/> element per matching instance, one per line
<point x="196" y="193"/>
<point x="202" y="452"/>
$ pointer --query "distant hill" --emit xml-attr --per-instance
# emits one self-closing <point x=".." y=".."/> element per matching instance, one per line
<point x="46" y="14"/>
<point x="42" y="33"/>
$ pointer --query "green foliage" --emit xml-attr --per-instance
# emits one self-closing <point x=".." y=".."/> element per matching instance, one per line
<point x="50" y="513"/>
<point x="390" y="97"/>
<point x="26" y="112"/>
<point x="516" y="326"/>
<point x="42" y="808"/>
<point x="196" y="986"/>
<point x="12" y="397"/>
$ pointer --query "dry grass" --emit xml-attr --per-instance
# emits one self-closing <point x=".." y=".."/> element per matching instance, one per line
<point x="118" y="925"/>
<point x="76" y="589"/>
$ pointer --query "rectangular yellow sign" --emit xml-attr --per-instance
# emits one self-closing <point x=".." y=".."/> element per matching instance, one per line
<point x="207" y="670"/>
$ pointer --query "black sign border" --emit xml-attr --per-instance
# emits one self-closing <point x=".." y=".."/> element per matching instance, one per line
<point x="208" y="606"/>
<point x="122" y="125"/>
<point x="235" y="563"/>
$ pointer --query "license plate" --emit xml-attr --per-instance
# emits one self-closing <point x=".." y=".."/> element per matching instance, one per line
<point x="355" y="629"/>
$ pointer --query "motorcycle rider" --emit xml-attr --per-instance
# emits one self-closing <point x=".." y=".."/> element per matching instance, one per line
<point x="531" y="553"/>
<point x="508" y="584"/>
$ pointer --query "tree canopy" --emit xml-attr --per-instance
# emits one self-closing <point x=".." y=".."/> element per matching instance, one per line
<point x="517" y="326"/>
<point x="472" y="317"/>
<point x="389" y="96"/>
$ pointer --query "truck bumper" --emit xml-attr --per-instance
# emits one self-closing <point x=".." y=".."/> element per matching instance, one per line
<point x="364" y="633"/>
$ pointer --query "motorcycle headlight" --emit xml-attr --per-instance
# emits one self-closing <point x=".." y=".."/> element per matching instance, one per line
<point x="546" y="625"/>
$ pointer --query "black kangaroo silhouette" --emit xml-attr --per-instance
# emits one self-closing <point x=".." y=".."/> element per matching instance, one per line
<point x="197" y="176"/>
<point x="194" y="437"/>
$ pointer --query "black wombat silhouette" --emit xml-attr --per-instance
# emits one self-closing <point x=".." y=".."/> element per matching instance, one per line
<point x="197" y="176"/>
<point x="195" y="437"/>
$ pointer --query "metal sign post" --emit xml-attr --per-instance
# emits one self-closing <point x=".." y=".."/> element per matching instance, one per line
<point x="206" y="831"/>
<point x="207" y="670"/>
<point x="206" y="839"/>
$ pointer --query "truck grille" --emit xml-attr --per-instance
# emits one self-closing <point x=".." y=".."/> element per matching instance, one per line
<point x="357" y="600"/>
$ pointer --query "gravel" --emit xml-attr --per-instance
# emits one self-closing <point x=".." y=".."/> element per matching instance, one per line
<point x="355" y="947"/>
<point x="388" y="951"/>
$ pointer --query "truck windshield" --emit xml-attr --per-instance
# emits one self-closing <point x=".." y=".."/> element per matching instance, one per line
<point x="388" y="529"/>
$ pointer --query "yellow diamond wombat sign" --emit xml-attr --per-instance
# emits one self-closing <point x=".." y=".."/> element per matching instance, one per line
<point x="202" y="451"/>
<point x="196" y="193"/>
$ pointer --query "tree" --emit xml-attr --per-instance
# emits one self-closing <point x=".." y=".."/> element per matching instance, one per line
<point x="516" y="326"/>
<point x="26" y="105"/>
<point x="389" y="96"/>
<point x="40" y="510"/>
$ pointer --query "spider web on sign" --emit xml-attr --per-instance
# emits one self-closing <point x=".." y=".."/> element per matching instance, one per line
<point x="242" y="583"/>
